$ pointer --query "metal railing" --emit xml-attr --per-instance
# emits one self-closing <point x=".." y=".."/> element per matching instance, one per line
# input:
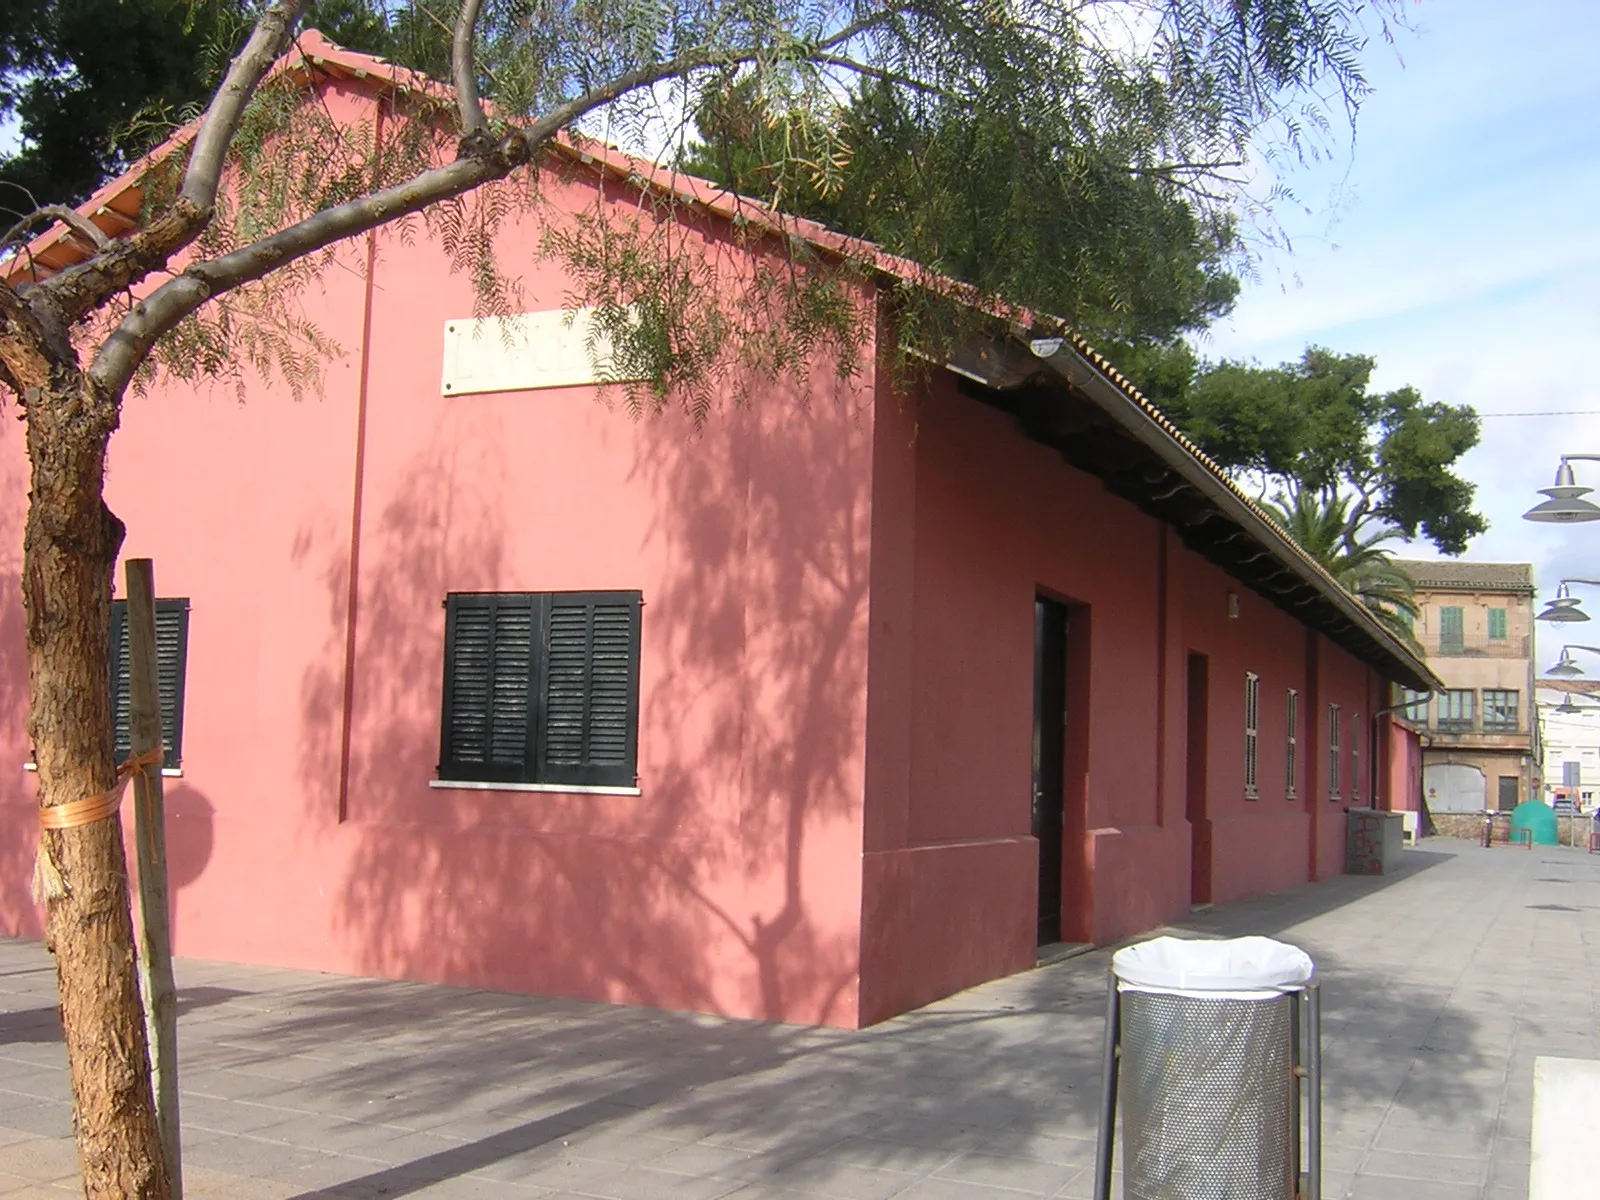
<point x="1475" y="645"/>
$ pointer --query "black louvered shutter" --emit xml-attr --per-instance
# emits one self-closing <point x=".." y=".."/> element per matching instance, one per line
<point x="489" y="641"/>
<point x="590" y="712"/>
<point x="172" y="654"/>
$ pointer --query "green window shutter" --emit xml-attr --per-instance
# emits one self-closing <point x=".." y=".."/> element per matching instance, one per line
<point x="541" y="687"/>
<point x="1497" y="624"/>
<point x="489" y="664"/>
<point x="1451" y="629"/>
<point x="172" y="655"/>
<point x="591" y="692"/>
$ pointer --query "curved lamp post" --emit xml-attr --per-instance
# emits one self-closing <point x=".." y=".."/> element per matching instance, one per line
<point x="1565" y="666"/>
<point x="1566" y="504"/>
<point x="1566" y="606"/>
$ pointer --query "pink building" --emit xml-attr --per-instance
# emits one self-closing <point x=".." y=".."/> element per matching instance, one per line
<point x="839" y="704"/>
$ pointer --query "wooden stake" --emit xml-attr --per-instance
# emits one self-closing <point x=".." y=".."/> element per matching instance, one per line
<point x="150" y="837"/>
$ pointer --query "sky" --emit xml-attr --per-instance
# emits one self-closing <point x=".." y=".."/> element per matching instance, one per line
<point x="1457" y="241"/>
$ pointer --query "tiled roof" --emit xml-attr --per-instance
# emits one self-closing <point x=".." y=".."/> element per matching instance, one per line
<point x="1453" y="574"/>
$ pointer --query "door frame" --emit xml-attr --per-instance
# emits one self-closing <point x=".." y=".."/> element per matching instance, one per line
<point x="1196" y="780"/>
<point x="1077" y="880"/>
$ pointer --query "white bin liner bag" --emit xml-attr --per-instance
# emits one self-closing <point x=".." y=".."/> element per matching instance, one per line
<point x="1247" y="968"/>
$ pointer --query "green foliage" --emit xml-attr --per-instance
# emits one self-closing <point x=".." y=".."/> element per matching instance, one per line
<point x="1071" y="160"/>
<point x="1354" y="551"/>
<point x="92" y="84"/>
<point x="1314" y="427"/>
<point x="1019" y="202"/>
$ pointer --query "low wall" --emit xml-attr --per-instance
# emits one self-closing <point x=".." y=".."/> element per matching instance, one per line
<point x="1470" y="826"/>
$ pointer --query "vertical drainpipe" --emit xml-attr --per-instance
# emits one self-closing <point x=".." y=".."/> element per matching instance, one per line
<point x="1162" y="799"/>
<point x="347" y="715"/>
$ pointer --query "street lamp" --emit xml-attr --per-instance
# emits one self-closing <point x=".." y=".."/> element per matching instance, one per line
<point x="1565" y="607"/>
<point x="1565" y="666"/>
<point x="1566" y="504"/>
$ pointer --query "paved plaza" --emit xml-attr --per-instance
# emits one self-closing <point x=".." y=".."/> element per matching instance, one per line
<point x="1441" y="985"/>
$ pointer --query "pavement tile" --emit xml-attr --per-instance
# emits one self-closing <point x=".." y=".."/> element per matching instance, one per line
<point x="643" y="1183"/>
<point x="1389" y="1187"/>
<point x="1424" y="1166"/>
<point x="1020" y="1174"/>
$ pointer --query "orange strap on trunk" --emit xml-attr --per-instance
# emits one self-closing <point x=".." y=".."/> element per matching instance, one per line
<point x="97" y="808"/>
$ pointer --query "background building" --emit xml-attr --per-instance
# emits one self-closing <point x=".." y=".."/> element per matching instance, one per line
<point x="1481" y="738"/>
<point x="1570" y="740"/>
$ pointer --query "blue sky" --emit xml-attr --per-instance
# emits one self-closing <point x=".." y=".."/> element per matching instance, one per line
<point x="1458" y="242"/>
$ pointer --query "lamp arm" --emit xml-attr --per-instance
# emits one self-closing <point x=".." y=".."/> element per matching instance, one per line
<point x="1580" y="458"/>
<point x="1591" y="582"/>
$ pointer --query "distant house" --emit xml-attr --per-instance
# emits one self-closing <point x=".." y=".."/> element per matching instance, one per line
<point x="842" y="703"/>
<point x="1569" y="741"/>
<point x="1477" y="627"/>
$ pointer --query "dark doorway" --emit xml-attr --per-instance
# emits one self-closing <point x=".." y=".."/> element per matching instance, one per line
<point x="1509" y="791"/>
<point x="1049" y="757"/>
<point x="1195" y="806"/>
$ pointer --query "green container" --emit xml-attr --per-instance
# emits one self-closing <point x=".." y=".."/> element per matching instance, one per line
<point x="1538" y="818"/>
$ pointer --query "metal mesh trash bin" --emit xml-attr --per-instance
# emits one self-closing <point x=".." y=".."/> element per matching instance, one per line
<point x="1204" y="1047"/>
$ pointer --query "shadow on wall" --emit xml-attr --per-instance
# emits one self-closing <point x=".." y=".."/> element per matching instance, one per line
<point x="697" y="894"/>
<point x="18" y="825"/>
<point x="191" y="836"/>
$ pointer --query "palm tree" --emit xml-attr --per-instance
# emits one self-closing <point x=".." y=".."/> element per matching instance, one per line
<point x="1354" y="552"/>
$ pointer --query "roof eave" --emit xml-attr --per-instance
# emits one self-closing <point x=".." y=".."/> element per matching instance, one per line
<point x="1069" y="364"/>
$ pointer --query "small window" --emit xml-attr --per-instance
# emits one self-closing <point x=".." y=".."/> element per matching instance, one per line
<point x="1416" y="706"/>
<point x="1458" y="709"/>
<point x="1500" y="710"/>
<point x="1452" y="630"/>
<point x="172" y="658"/>
<point x="1334" y="758"/>
<point x="1355" y="756"/>
<point x="1571" y="774"/>
<point x="1497" y="624"/>
<point x="541" y="687"/>
<point x="1252" y="711"/>
<point x="1292" y="745"/>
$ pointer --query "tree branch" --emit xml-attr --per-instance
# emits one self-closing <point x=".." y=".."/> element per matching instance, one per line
<point x="68" y="217"/>
<point x="881" y="74"/>
<point x="128" y="345"/>
<point x="464" y="72"/>
<point x="130" y="342"/>
<point x="80" y="289"/>
<point x="269" y="39"/>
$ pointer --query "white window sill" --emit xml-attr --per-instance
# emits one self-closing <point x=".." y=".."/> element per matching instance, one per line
<point x="169" y="772"/>
<point x="577" y="789"/>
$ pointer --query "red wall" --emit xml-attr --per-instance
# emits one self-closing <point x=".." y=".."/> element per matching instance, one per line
<point x="984" y="520"/>
<point x="303" y="830"/>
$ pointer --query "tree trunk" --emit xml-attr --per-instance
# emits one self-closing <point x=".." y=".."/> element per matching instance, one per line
<point x="69" y="550"/>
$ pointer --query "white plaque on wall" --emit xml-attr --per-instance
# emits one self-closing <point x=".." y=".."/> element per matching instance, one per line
<point x="524" y="351"/>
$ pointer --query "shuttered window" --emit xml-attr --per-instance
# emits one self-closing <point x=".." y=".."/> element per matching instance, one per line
<point x="1292" y="751"/>
<point x="1452" y="629"/>
<point x="1497" y="624"/>
<point x="1252" y="716"/>
<point x="172" y="654"/>
<point x="541" y="687"/>
<point x="1333" y="752"/>
<point x="1355" y="757"/>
